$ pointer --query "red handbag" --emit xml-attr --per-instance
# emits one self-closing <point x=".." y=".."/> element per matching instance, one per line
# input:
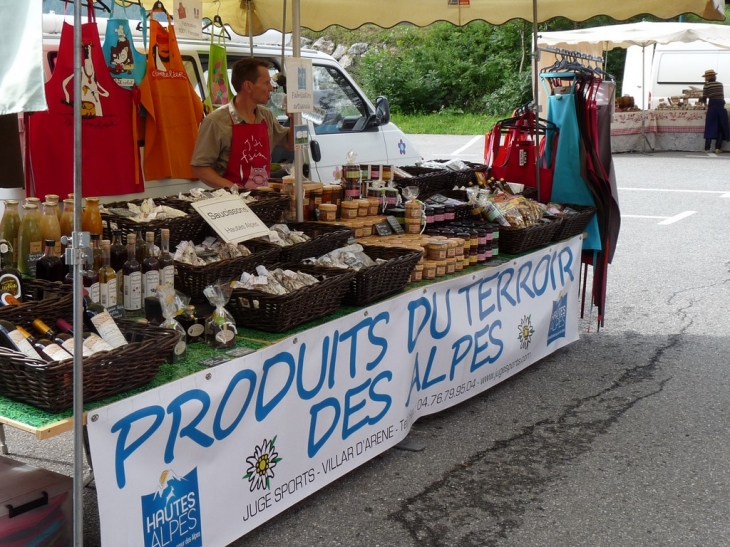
<point x="509" y="151"/>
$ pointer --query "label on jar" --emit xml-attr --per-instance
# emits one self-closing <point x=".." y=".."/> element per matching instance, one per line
<point x="94" y="292"/>
<point x="180" y="348"/>
<point x="168" y="276"/>
<point x="108" y="293"/>
<point x="10" y="283"/>
<point x="196" y="330"/>
<point x="133" y="291"/>
<point x="108" y="329"/>
<point x="150" y="280"/>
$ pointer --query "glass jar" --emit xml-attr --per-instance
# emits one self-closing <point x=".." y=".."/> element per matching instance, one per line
<point x="91" y="220"/>
<point x="30" y="242"/>
<point x="67" y="218"/>
<point x="50" y="226"/>
<point x="10" y="226"/>
<point x="53" y="198"/>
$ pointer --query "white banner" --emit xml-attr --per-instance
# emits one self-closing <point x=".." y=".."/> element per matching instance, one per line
<point x="206" y="459"/>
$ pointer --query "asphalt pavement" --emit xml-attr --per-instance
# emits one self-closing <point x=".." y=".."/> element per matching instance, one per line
<point x="619" y="439"/>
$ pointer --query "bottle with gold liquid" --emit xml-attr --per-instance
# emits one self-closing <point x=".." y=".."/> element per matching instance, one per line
<point x="50" y="226"/>
<point x="91" y="219"/>
<point x="9" y="228"/>
<point x="67" y="218"/>
<point x="107" y="279"/>
<point x="30" y="240"/>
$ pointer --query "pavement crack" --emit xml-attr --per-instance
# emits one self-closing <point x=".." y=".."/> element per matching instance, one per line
<point x="479" y="503"/>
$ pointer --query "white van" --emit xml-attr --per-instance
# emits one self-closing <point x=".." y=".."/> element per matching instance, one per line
<point x="671" y="68"/>
<point x="344" y="118"/>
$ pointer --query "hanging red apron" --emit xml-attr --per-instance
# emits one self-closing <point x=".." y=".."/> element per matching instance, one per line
<point x="174" y="110"/>
<point x="110" y="158"/>
<point x="250" y="159"/>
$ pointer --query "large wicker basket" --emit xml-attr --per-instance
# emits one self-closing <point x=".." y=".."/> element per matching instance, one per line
<point x="191" y="280"/>
<point x="518" y="240"/>
<point x="279" y="313"/>
<point x="187" y="228"/>
<point x="269" y="206"/>
<point x="370" y="284"/>
<point x="49" y="386"/>
<point x="428" y="181"/>
<point x="574" y="224"/>
<point x="324" y="238"/>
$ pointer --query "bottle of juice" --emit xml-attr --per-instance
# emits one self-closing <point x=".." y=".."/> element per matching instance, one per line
<point x="91" y="220"/>
<point x="30" y="241"/>
<point x="9" y="227"/>
<point x="67" y="218"/>
<point x="50" y="227"/>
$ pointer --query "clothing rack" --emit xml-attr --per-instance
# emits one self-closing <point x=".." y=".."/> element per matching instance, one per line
<point x="571" y="53"/>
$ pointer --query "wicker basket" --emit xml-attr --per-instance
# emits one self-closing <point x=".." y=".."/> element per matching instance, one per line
<point x="517" y="240"/>
<point x="376" y="282"/>
<point x="269" y="206"/>
<point x="187" y="228"/>
<point x="429" y="181"/>
<point x="191" y="280"/>
<point x="40" y="289"/>
<point x="26" y="312"/>
<point x="324" y="238"/>
<point x="49" y="386"/>
<point x="572" y="225"/>
<point x="279" y="313"/>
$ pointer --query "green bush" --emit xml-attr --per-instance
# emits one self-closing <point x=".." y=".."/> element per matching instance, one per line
<point x="514" y="92"/>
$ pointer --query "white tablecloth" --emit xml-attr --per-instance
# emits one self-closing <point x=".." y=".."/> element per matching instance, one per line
<point x="680" y="130"/>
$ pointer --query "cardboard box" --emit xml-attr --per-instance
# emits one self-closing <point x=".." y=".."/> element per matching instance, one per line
<point x="36" y="506"/>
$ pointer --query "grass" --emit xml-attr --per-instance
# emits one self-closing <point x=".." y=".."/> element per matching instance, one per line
<point x="445" y="123"/>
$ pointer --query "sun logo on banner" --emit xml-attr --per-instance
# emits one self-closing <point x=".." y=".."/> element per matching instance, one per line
<point x="261" y="466"/>
<point x="526" y="332"/>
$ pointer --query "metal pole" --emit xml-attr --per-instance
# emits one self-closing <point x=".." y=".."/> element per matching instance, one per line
<point x="250" y="27"/>
<point x="78" y="378"/>
<point x="298" y="153"/>
<point x="536" y="95"/>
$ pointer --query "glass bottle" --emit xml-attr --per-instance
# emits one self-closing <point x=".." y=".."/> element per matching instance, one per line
<point x="9" y="227"/>
<point x="92" y="341"/>
<point x="91" y="219"/>
<point x="48" y="350"/>
<point x="30" y="241"/>
<point x="167" y="264"/>
<point x="107" y="280"/>
<point x="50" y="226"/>
<point x="67" y="218"/>
<point x="96" y="257"/>
<point x="150" y="269"/>
<point x="49" y="266"/>
<point x="66" y="341"/>
<point x="10" y="277"/>
<point x="11" y="338"/>
<point x="117" y="258"/>
<point x="54" y="198"/>
<point x="98" y="320"/>
<point x="132" y="271"/>
<point x="140" y="251"/>
<point x="90" y="277"/>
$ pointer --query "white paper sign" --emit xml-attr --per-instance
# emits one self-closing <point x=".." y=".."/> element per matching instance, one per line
<point x="299" y="86"/>
<point x="188" y="18"/>
<point x="231" y="218"/>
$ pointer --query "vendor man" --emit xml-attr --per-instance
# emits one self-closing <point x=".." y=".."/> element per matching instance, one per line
<point x="235" y="142"/>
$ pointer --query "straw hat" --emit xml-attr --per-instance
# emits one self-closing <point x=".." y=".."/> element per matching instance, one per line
<point x="709" y="74"/>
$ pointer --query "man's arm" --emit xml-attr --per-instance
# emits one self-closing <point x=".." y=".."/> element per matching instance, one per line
<point x="209" y="176"/>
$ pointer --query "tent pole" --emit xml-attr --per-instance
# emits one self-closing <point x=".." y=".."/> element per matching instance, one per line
<point x="536" y="95"/>
<point x="298" y="152"/>
<point x="78" y="379"/>
<point x="644" y="138"/>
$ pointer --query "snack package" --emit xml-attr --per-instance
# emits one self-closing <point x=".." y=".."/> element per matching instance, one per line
<point x="220" y="327"/>
<point x="169" y="302"/>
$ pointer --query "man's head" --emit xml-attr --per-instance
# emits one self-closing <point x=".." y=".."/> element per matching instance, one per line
<point x="251" y="77"/>
<point x="710" y="75"/>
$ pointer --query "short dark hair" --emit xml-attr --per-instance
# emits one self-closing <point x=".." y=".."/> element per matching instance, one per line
<point x="246" y="70"/>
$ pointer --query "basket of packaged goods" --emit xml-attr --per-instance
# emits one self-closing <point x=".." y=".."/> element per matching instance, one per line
<point x="379" y="271"/>
<point x="30" y="309"/>
<point x="36" y="365"/>
<point x="197" y="266"/>
<point x="145" y="215"/>
<point x="268" y="205"/>
<point x="428" y="180"/>
<point x="523" y="223"/>
<point x="292" y="294"/>
<point x="573" y="219"/>
<point x="300" y="240"/>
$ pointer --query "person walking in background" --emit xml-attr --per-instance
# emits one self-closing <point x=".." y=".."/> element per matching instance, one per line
<point x="716" y="120"/>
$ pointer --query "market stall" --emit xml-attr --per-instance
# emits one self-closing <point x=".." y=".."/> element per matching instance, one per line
<point x="665" y="130"/>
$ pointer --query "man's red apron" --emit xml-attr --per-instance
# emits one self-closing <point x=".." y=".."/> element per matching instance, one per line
<point x="250" y="159"/>
<point x="174" y="110"/>
<point x="110" y="158"/>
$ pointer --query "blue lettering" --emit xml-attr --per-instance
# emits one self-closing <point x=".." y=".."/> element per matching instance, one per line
<point x="503" y="289"/>
<point x="351" y="409"/>
<point x="412" y="309"/>
<point x="190" y="430"/>
<point x="478" y="348"/>
<point x="435" y="334"/>
<point x="352" y="333"/>
<point x="381" y="397"/>
<point x="219" y="432"/>
<point x="522" y="282"/>
<point x="466" y="290"/>
<point x="378" y="341"/>
<point x="314" y="446"/>
<point x="426" y="382"/>
<point x="496" y="342"/>
<point x="457" y="358"/>
<point x="539" y="291"/>
<point x="263" y="409"/>
<point x="304" y="393"/>
<point x="566" y="268"/>
<point x="124" y="426"/>
<point x="485" y="291"/>
<point x="333" y="360"/>
<point x="415" y="381"/>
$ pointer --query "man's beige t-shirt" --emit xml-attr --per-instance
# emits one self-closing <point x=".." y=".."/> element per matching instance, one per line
<point x="213" y="147"/>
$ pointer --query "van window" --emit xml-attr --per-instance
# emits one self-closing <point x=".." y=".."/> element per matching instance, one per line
<point x="191" y="68"/>
<point x="337" y="106"/>
<point x="684" y="67"/>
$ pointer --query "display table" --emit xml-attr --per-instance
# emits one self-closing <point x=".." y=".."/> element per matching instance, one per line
<point x="202" y="456"/>
<point x="665" y="129"/>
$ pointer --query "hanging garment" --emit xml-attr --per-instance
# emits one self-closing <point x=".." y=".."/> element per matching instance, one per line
<point x="174" y="110"/>
<point x="11" y="155"/>
<point x="605" y="101"/>
<point x="126" y="65"/>
<point x="716" y="120"/>
<point x="568" y="185"/>
<point x="219" y="89"/>
<point x="110" y="158"/>
<point x="250" y="158"/>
